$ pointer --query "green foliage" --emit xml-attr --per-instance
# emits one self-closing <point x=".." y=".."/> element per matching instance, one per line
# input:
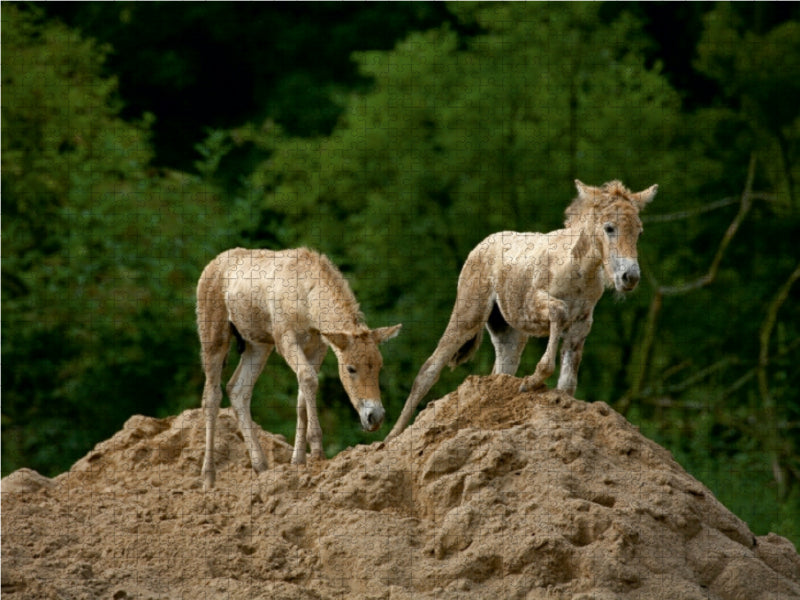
<point x="218" y="64"/>
<point x="473" y="126"/>
<point x="757" y="73"/>
<point x="100" y="254"/>
<point x="747" y="349"/>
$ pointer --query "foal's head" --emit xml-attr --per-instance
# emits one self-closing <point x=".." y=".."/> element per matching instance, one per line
<point x="610" y="215"/>
<point x="360" y="363"/>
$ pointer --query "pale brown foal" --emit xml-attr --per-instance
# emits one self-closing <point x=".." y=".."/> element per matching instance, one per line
<point x="540" y="284"/>
<point x="297" y="302"/>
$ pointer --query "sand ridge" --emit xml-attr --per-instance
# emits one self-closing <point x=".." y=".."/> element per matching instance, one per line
<point x="490" y="493"/>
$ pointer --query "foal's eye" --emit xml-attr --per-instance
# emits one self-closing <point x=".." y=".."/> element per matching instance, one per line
<point x="351" y="369"/>
<point x="609" y="229"/>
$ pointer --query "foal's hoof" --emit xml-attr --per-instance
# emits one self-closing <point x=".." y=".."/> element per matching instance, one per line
<point x="530" y="385"/>
<point x="260" y="467"/>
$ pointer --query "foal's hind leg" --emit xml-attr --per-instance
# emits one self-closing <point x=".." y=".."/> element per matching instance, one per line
<point x="466" y="321"/>
<point x="215" y="339"/>
<point x="508" y="343"/>
<point x="240" y="392"/>
<point x="508" y="347"/>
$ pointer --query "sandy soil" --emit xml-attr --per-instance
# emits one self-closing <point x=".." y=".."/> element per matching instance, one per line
<point x="489" y="494"/>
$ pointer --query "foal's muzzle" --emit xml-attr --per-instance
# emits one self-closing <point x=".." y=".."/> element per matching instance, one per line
<point x="626" y="275"/>
<point x="372" y="414"/>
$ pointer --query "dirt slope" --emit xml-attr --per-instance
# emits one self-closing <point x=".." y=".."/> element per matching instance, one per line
<point x="490" y="494"/>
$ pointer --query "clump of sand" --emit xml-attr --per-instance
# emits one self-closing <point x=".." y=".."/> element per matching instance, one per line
<point x="489" y="494"/>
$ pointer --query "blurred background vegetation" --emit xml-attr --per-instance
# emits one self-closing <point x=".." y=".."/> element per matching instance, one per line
<point x="141" y="139"/>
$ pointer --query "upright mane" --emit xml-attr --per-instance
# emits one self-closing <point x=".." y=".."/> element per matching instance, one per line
<point x="342" y="296"/>
<point x="591" y="202"/>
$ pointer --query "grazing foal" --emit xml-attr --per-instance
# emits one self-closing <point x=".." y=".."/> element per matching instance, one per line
<point x="540" y="284"/>
<point x="295" y="301"/>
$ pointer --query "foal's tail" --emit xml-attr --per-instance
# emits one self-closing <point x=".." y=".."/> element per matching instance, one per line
<point x="467" y="350"/>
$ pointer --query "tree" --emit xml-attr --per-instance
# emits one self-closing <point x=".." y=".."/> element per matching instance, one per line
<point x="219" y="64"/>
<point x="100" y="253"/>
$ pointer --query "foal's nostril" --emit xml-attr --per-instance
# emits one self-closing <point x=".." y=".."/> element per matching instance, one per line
<point x="630" y="278"/>
<point x="372" y="415"/>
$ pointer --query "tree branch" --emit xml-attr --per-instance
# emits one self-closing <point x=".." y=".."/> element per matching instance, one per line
<point x="745" y="204"/>
<point x="767" y="401"/>
<point x="682" y="215"/>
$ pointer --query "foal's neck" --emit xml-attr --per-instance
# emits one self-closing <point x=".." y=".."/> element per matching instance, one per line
<point x="334" y="311"/>
<point x="586" y="251"/>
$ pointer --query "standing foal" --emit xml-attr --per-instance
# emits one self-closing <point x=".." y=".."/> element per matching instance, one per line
<point x="295" y="301"/>
<point x="540" y="284"/>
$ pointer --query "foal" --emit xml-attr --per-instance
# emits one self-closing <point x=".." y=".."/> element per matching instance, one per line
<point x="540" y="284"/>
<point x="295" y="301"/>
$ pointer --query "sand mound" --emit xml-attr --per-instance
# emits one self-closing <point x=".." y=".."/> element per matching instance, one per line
<point x="490" y="494"/>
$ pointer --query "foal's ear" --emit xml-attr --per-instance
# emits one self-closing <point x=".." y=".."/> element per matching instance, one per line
<point x="340" y="341"/>
<point x="385" y="333"/>
<point x="585" y="191"/>
<point x="645" y="196"/>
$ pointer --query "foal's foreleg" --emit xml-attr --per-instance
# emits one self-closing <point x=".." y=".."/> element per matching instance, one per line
<point x="240" y="392"/>
<point x="315" y="355"/>
<point x="571" y="353"/>
<point x="556" y="311"/>
<point x="292" y="351"/>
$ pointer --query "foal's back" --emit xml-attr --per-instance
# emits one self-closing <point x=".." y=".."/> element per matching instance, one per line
<point x="514" y="262"/>
<point x="295" y="289"/>
<point x="267" y="267"/>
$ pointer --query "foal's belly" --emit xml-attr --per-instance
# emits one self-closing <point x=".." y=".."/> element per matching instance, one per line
<point x="523" y="318"/>
<point x="533" y="318"/>
<point x="535" y="327"/>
